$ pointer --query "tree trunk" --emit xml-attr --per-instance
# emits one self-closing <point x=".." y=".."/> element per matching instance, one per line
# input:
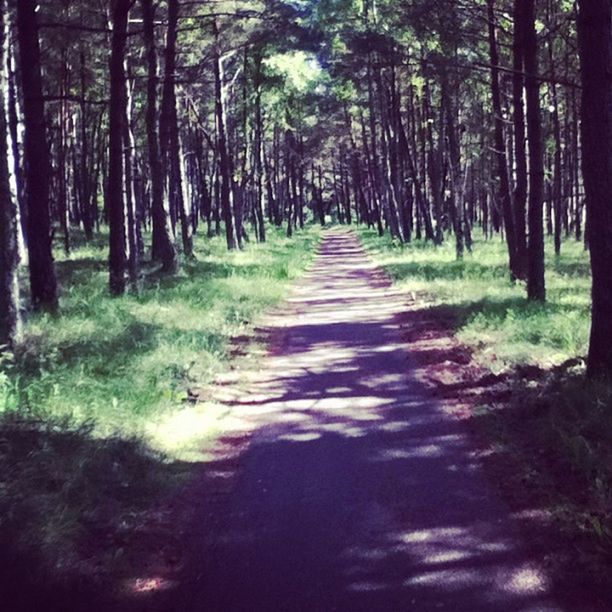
<point x="500" y="146"/>
<point x="536" y="288"/>
<point x="520" y="157"/>
<point x="169" y="129"/>
<point x="224" y="161"/>
<point x="162" y="244"/>
<point x="595" y="46"/>
<point x="43" y="283"/>
<point x="456" y="205"/>
<point x="129" y="181"/>
<point x="258" y="152"/>
<point x="10" y="321"/>
<point x="62" y="155"/>
<point x="117" y="113"/>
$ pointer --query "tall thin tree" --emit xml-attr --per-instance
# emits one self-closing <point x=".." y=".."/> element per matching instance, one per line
<point x="500" y="145"/>
<point x="43" y="283"/>
<point x="595" y="45"/>
<point x="536" y="287"/>
<point x="117" y="113"/>
<point x="170" y="135"/>
<point x="9" y="252"/>
<point x="163" y="247"/>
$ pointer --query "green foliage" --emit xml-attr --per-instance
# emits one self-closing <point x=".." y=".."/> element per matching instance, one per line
<point x="119" y="362"/>
<point x="93" y="418"/>
<point x="300" y="70"/>
<point x="492" y="315"/>
<point x="558" y="434"/>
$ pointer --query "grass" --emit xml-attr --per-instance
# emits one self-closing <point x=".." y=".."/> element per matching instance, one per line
<point x="94" y="422"/>
<point x="491" y="314"/>
<point x="554" y="438"/>
<point x="555" y="432"/>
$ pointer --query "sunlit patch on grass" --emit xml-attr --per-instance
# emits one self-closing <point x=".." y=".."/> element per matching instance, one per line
<point x="144" y="586"/>
<point x="184" y="434"/>
<point x="488" y="312"/>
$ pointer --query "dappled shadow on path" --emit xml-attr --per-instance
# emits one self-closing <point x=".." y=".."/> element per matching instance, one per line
<point x="358" y="490"/>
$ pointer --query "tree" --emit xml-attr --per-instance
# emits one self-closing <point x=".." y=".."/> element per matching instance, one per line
<point x="9" y="256"/>
<point x="500" y="146"/>
<point x="170" y="135"/>
<point x="518" y="119"/>
<point x="162" y="248"/>
<point x="595" y="47"/>
<point x="43" y="283"/>
<point x="117" y="114"/>
<point x="224" y="160"/>
<point x="536" y="288"/>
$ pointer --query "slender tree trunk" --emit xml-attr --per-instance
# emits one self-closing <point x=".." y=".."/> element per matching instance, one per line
<point x="557" y="195"/>
<point x="536" y="288"/>
<point x="500" y="146"/>
<point x="224" y="161"/>
<point x="259" y="170"/>
<point x="62" y="155"/>
<point x="43" y="283"/>
<point x="169" y="131"/>
<point x="132" y="216"/>
<point x="14" y="118"/>
<point x="162" y="244"/>
<point x="434" y="167"/>
<point x="454" y="153"/>
<point x="595" y="45"/>
<point x="85" y="169"/>
<point x="520" y="157"/>
<point x="10" y="321"/>
<point x="117" y="113"/>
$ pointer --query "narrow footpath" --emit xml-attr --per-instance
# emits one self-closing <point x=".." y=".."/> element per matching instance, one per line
<point x="357" y="491"/>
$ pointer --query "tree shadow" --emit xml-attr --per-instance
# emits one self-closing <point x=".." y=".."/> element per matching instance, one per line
<point x="78" y="513"/>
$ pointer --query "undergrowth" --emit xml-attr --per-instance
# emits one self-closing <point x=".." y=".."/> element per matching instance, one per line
<point x="558" y="433"/>
<point x="492" y="314"/>
<point x="91" y="398"/>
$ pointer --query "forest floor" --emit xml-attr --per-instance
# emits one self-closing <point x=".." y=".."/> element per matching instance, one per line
<point x="368" y="459"/>
<point x="356" y="473"/>
<point x="517" y="368"/>
<point x="98" y="411"/>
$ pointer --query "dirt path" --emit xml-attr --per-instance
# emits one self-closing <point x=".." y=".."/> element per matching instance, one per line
<point x="357" y="490"/>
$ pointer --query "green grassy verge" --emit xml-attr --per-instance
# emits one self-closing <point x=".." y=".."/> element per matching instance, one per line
<point x="93" y="418"/>
<point x="491" y="314"/>
<point x="553" y="428"/>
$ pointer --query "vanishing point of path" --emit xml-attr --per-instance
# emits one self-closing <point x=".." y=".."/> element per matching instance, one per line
<point x="357" y="491"/>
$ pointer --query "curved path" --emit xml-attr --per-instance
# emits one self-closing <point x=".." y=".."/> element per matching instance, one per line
<point x="357" y="491"/>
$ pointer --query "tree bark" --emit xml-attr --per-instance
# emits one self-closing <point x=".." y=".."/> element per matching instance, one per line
<point x="170" y="137"/>
<point x="117" y="113"/>
<point x="520" y="157"/>
<point x="43" y="283"/>
<point x="536" y="288"/>
<point x="500" y="146"/>
<point x="162" y="243"/>
<point x="595" y="47"/>
<point x="223" y="153"/>
<point x="10" y="321"/>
